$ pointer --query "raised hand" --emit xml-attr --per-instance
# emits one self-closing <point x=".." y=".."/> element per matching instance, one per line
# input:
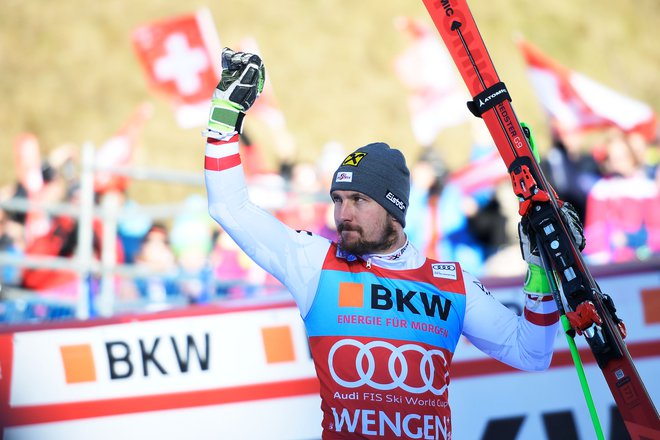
<point x="243" y="77"/>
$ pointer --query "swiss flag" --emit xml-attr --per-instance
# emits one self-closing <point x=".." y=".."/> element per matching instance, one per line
<point x="177" y="56"/>
<point x="575" y="102"/>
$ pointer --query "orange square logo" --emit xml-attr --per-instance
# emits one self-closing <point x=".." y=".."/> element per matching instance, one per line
<point x="278" y="343"/>
<point x="351" y="295"/>
<point x="651" y="303"/>
<point x="78" y="363"/>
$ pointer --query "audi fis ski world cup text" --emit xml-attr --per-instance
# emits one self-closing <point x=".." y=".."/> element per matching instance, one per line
<point x="390" y="398"/>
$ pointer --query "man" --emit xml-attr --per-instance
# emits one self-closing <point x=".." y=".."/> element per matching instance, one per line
<point x="382" y="320"/>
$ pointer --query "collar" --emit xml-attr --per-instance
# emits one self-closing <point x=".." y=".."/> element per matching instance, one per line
<point x="406" y="257"/>
<point x="397" y="254"/>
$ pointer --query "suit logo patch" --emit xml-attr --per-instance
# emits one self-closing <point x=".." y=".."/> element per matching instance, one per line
<point x="444" y="270"/>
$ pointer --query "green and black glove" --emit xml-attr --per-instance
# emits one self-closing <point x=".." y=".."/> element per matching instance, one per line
<point x="536" y="281"/>
<point x="243" y="77"/>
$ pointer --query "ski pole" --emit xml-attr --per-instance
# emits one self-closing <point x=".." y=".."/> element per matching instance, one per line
<point x="568" y="330"/>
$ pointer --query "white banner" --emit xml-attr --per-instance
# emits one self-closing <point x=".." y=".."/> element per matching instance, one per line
<point x="221" y="373"/>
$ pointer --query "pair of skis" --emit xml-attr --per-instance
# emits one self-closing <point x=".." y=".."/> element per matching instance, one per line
<point x="590" y="310"/>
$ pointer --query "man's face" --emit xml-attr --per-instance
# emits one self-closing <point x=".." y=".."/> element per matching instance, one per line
<point x="363" y="225"/>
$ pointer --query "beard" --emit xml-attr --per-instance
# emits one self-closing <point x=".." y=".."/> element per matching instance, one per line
<point x="360" y="246"/>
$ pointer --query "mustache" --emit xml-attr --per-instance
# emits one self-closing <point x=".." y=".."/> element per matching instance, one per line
<point x="348" y="227"/>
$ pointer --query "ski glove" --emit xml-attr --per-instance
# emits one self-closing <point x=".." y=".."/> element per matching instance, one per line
<point x="572" y="220"/>
<point x="528" y="247"/>
<point x="243" y="77"/>
<point x="536" y="278"/>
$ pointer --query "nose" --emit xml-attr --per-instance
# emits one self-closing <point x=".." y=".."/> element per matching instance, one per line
<point x="343" y="211"/>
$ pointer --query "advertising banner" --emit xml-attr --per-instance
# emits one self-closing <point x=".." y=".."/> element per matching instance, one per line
<point x="229" y="372"/>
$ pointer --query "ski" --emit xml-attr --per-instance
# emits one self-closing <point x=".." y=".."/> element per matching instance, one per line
<point x="589" y="308"/>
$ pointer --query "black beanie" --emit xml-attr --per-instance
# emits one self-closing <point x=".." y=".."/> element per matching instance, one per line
<point x="381" y="173"/>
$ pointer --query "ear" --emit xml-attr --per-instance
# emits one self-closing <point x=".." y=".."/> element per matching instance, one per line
<point x="394" y="222"/>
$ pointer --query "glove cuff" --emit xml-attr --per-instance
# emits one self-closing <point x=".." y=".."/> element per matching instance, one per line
<point x="536" y="281"/>
<point x="224" y="117"/>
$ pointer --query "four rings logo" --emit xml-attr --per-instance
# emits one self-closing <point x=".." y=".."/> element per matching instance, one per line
<point x="444" y="270"/>
<point x="402" y="370"/>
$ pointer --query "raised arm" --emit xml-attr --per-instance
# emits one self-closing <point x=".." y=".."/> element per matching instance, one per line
<point x="294" y="258"/>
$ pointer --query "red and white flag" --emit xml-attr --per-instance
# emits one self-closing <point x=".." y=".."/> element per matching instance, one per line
<point x="119" y="149"/>
<point x="575" y="102"/>
<point x="178" y="55"/>
<point x="482" y="173"/>
<point x="436" y="97"/>
<point x="27" y="155"/>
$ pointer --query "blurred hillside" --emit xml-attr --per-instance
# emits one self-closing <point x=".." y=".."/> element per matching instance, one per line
<point x="69" y="73"/>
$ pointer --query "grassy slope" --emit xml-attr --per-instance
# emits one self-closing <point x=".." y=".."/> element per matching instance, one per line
<point x="69" y="73"/>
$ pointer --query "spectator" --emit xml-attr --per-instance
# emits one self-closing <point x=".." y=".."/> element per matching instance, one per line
<point x="623" y="207"/>
<point x="485" y="219"/>
<point x="62" y="241"/>
<point x="132" y="226"/>
<point x="236" y="274"/>
<point x="450" y="223"/>
<point x="191" y="243"/>
<point x="11" y="242"/>
<point x="332" y="153"/>
<point x="155" y="255"/>
<point x="427" y="180"/>
<point x="304" y="210"/>
<point x="570" y="171"/>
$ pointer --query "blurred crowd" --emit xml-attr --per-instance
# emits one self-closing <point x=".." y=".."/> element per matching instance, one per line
<point x="614" y="184"/>
<point x="610" y="175"/>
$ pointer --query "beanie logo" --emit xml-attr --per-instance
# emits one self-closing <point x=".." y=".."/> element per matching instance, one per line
<point x="396" y="201"/>
<point x="344" y="176"/>
<point x="353" y="159"/>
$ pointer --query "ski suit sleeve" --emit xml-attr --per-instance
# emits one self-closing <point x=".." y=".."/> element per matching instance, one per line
<point x="293" y="257"/>
<point x="524" y="342"/>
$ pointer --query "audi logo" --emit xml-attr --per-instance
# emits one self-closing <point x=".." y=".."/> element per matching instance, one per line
<point x="397" y="356"/>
